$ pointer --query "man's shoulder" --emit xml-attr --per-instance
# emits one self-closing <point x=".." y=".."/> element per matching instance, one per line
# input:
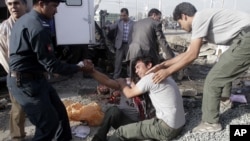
<point x="30" y="22"/>
<point x="7" y="22"/>
<point x="131" y="21"/>
<point x="147" y="77"/>
<point x="145" y="19"/>
<point x="6" y="25"/>
<point x="140" y="22"/>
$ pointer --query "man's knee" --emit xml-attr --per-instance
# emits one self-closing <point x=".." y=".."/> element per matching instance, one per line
<point x="113" y="111"/>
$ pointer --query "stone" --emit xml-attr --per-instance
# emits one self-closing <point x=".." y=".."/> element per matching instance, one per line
<point x="190" y="92"/>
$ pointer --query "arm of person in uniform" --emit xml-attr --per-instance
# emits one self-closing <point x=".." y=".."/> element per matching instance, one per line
<point x="43" y="47"/>
<point x="168" y="67"/>
<point x="104" y="79"/>
<point x="129" y="91"/>
<point x="162" y="41"/>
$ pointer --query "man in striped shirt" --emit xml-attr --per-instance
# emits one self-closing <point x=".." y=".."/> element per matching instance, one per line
<point x="123" y="38"/>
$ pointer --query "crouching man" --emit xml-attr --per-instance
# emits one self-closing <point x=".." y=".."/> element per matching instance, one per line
<point x="165" y="97"/>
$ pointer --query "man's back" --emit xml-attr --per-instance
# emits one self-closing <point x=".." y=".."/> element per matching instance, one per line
<point x="148" y="39"/>
<point x="144" y="33"/>
<point x="166" y="99"/>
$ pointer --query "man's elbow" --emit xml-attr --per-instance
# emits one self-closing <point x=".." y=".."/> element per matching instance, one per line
<point x="194" y="56"/>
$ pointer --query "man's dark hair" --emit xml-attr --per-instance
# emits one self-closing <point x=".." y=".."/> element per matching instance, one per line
<point x="184" y="8"/>
<point x="154" y="11"/>
<point x="46" y="1"/>
<point x="23" y="1"/>
<point x="146" y="60"/>
<point x="125" y="10"/>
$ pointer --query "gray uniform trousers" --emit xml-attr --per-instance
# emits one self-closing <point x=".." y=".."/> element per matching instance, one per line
<point x="232" y="63"/>
<point x="120" y="54"/>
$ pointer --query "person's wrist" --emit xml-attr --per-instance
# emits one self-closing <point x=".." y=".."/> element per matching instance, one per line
<point x="81" y="64"/>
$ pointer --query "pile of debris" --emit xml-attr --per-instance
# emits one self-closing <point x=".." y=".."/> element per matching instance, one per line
<point x="208" y="56"/>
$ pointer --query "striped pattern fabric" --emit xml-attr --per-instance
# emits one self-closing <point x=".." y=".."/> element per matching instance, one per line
<point x="5" y="30"/>
<point x="125" y="32"/>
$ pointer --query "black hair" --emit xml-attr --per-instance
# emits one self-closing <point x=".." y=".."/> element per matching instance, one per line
<point x="154" y="11"/>
<point x="125" y="10"/>
<point x="184" y="8"/>
<point x="46" y="1"/>
<point x="146" y="60"/>
<point x="23" y="1"/>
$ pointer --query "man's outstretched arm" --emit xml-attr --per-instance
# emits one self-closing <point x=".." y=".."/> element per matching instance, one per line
<point x="105" y="80"/>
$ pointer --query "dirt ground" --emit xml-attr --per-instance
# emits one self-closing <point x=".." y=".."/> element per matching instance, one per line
<point x="80" y="89"/>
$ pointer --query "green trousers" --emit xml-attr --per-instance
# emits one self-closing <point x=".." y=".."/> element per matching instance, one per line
<point x="153" y="129"/>
<point x="232" y="63"/>
<point x="226" y="91"/>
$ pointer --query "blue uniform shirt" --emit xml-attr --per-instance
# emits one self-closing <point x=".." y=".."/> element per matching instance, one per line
<point x="31" y="48"/>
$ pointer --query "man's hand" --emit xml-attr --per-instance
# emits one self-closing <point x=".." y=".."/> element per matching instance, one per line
<point x="122" y="82"/>
<point x="86" y="65"/>
<point x="160" y="75"/>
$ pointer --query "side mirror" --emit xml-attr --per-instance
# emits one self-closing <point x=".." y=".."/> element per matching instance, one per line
<point x="73" y="2"/>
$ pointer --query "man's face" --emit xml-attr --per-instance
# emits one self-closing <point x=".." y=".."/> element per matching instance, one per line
<point x="141" y="68"/>
<point x="185" y="25"/>
<point x="16" y="8"/>
<point x="49" y="9"/>
<point x="124" y="16"/>
<point x="156" y="17"/>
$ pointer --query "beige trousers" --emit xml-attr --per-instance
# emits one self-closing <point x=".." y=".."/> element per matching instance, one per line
<point x="17" y="119"/>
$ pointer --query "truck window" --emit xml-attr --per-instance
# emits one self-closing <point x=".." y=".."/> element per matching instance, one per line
<point x="73" y="2"/>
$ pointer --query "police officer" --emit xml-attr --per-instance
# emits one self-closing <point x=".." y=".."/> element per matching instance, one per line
<point x="31" y="54"/>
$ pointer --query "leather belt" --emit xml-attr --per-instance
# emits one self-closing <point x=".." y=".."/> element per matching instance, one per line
<point x="124" y="42"/>
<point x="20" y="75"/>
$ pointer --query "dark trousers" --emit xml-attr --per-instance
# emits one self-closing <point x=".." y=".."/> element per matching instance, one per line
<point x="120" y="55"/>
<point x="43" y="107"/>
<point x="115" y="118"/>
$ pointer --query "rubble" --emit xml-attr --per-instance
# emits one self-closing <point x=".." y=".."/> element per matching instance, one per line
<point x="3" y="103"/>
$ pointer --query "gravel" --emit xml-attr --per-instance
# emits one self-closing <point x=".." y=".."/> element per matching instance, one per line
<point x="79" y="89"/>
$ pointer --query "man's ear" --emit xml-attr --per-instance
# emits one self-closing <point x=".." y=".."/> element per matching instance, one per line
<point x="183" y="17"/>
<point x="153" y="15"/>
<point x="41" y="4"/>
<point x="149" y="66"/>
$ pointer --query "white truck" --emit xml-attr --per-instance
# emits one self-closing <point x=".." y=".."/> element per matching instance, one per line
<point x="74" y="22"/>
<point x="75" y="29"/>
